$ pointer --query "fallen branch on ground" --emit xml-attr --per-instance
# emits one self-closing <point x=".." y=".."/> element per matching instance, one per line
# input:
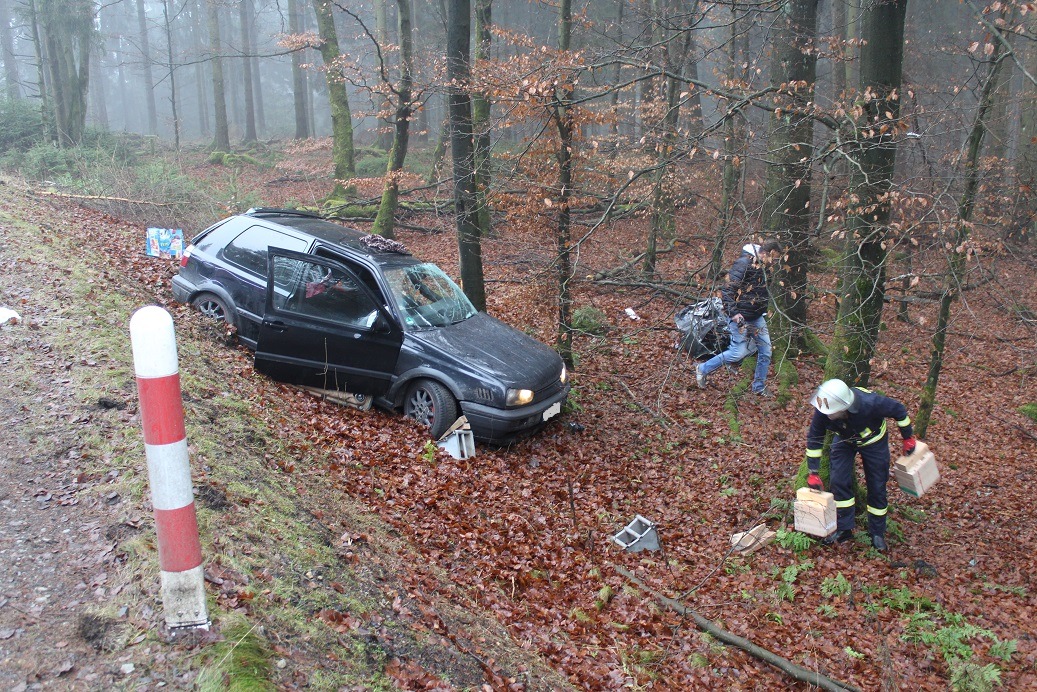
<point x="798" y="672"/>
<point x="102" y="198"/>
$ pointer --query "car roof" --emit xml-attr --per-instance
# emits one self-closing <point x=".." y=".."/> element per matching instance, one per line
<point x="333" y="234"/>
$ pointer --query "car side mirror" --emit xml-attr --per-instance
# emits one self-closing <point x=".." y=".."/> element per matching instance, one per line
<point x="381" y="324"/>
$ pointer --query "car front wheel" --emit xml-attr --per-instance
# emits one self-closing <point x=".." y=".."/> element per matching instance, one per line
<point x="212" y="306"/>
<point x="431" y="404"/>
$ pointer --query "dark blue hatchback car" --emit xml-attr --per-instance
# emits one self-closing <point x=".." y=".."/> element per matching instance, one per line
<point x="330" y="307"/>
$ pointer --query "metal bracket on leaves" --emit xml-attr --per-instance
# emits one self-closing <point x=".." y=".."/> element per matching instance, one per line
<point x="640" y="534"/>
<point x="458" y="441"/>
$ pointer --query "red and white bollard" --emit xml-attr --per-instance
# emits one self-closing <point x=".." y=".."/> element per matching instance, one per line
<point x="169" y="473"/>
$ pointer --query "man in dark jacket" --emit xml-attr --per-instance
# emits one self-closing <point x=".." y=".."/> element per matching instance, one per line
<point x="857" y="416"/>
<point x="745" y="298"/>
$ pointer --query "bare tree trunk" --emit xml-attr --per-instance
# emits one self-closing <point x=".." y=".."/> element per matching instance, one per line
<point x="617" y="75"/>
<point x="200" y="74"/>
<point x="563" y="121"/>
<point x="257" y="83"/>
<point x="173" y="95"/>
<point x="864" y="261"/>
<point x="384" y="222"/>
<point x="65" y="33"/>
<point x="676" y="49"/>
<point x="299" y="86"/>
<point x="219" y="97"/>
<point x="342" y="152"/>
<point x="955" y="276"/>
<point x="1026" y="163"/>
<point x="852" y="51"/>
<point x="734" y="134"/>
<point x="245" y="18"/>
<point x="46" y="110"/>
<point x="124" y="98"/>
<point x="786" y="208"/>
<point x="439" y="152"/>
<point x="462" y="147"/>
<point x="11" y="79"/>
<point x="145" y="57"/>
<point x="481" y="118"/>
<point x="694" y="110"/>
<point x="385" y="137"/>
<point x="839" y="15"/>
<point x="98" y="99"/>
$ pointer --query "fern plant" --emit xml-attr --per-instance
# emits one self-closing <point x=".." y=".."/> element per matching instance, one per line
<point x="827" y="610"/>
<point x="785" y="592"/>
<point x="835" y="586"/>
<point x="1003" y="649"/>
<point x="906" y="601"/>
<point x="852" y="653"/>
<point x="793" y="540"/>
<point x="972" y="677"/>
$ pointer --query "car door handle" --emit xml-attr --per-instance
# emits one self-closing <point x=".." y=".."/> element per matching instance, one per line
<point x="276" y="325"/>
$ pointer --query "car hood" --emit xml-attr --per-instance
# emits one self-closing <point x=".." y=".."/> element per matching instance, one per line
<point x="501" y="351"/>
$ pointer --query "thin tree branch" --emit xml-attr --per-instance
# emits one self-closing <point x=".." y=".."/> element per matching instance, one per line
<point x="795" y="671"/>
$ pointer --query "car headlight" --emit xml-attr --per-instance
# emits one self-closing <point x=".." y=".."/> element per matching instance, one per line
<point x="519" y="397"/>
<point x="564" y="376"/>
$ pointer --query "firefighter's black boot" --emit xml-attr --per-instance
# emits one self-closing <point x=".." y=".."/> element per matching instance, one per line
<point x="838" y="537"/>
<point x="878" y="541"/>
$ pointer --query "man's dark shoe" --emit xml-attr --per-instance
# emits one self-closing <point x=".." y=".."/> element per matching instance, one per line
<point x="878" y="542"/>
<point x="838" y="537"/>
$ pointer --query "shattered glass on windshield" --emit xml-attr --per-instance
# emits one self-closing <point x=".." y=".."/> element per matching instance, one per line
<point x="427" y="297"/>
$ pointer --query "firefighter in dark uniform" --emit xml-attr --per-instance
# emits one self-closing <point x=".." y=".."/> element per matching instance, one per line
<point x="857" y="416"/>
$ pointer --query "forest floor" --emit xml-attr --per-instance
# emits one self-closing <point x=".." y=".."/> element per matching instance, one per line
<point x="353" y="559"/>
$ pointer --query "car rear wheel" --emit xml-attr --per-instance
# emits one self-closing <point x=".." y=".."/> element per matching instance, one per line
<point x="212" y="306"/>
<point x="431" y="404"/>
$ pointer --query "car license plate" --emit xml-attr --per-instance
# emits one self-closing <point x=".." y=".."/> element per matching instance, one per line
<point x="553" y="410"/>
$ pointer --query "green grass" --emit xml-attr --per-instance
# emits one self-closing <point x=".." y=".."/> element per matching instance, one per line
<point x="1029" y="410"/>
<point x="240" y="662"/>
<point x="589" y="320"/>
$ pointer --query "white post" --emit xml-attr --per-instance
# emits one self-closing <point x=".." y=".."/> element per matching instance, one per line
<point x="169" y="473"/>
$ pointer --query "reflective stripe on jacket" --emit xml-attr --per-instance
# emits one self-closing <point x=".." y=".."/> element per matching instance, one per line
<point x="864" y="424"/>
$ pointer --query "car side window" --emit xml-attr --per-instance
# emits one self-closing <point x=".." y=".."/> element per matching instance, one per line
<point x="250" y="249"/>
<point x="327" y="293"/>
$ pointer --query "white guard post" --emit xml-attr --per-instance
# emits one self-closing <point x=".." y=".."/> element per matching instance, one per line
<point x="169" y="474"/>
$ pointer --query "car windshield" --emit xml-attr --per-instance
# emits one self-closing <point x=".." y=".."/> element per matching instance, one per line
<point x="427" y="297"/>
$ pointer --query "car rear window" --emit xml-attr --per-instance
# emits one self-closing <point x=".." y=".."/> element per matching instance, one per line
<point x="249" y="249"/>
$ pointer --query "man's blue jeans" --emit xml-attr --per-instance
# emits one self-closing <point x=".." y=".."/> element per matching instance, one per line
<point x="739" y="348"/>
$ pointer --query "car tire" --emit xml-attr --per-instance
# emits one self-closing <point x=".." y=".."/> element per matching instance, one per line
<point x="431" y="404"/>
<point x="211" y="305"/>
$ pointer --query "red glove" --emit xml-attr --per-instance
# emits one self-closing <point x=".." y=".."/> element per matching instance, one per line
<point x="814" y="482"/>
<point x="909" y="445"/>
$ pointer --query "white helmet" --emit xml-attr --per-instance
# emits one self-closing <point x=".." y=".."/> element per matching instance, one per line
<point x="833" y="396"/>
